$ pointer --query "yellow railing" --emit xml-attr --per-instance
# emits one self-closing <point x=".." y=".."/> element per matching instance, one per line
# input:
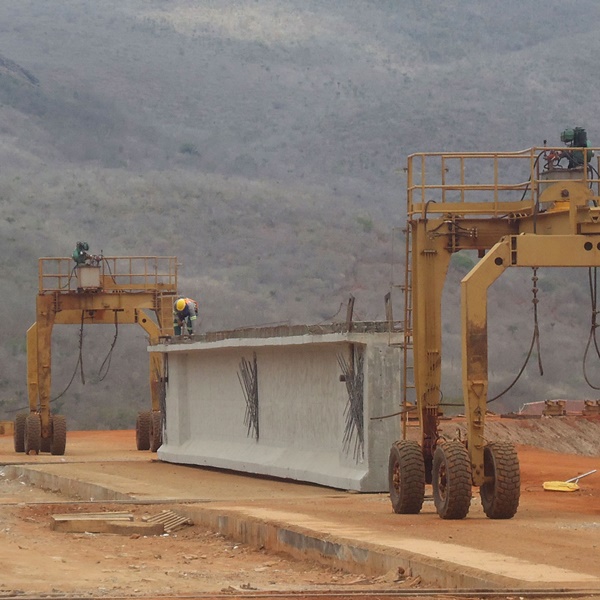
<point x="117" y="274"/>
<point x="491" y="183"/>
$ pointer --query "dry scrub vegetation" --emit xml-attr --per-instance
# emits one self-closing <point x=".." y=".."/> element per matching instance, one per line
<point x="263" y="145"/>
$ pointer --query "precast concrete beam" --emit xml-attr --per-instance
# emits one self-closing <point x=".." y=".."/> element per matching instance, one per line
<point x="313" y="413"/>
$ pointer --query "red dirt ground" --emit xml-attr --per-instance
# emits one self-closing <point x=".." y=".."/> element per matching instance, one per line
<point x="560" y="529"/>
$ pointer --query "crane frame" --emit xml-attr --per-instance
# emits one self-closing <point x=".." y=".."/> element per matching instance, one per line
<point x="102" y="291"/>
<point x="550" y="217"/>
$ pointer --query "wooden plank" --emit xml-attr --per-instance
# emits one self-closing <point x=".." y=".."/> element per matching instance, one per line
<point x="100" y="526"/>
<point x="102" y="516"/>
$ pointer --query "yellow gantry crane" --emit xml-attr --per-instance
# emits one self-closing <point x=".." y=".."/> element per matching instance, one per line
<point x="535" y="208"/>
<point x="99" y="290"/>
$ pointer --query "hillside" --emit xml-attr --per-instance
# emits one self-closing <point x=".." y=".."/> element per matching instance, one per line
<point x="263" y="144"/>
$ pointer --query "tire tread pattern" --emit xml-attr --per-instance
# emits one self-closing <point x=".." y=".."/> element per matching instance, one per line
<point x="142" y="430"/>
<point x="59" y="435"/>
<point x="500" y="497"/>
<point x="455" y="500"/>
<point x="19" y="433"/>
<point x="406" y="475"/>
<point x="33" y="434"/>
<point x="156" y="431"/>
<point x="46" y="442"/>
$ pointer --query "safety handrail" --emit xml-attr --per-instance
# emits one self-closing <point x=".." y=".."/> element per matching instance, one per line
<point x="117" y="274"/>
<point x="491" y="183"/>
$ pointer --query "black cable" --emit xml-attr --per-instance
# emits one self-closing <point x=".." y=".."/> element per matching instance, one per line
<point x="107" y="359"/>
<point x="79" y="364"/>
<point x="427" y="208"/>
<point x="535" y="162"/>
<point x="536" y="206"/>
<point x="69" y="384"/>
<point x="81" y="350"/>
<point x="593" y="171"/>
<point x="401" y="412"/>
<point x="593" y="297"/>
<point x="414" y="407"/>
<point x="330" y="319"/>
<point x="67" y="286"/>
<point x="15" y="410"/>
<point x="535" y="341"/>
<point x="104" y="260"/>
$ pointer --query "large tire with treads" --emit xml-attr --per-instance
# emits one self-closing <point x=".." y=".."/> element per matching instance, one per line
<point x="19" y="432"/>
<point x="406" y="477"/>
<point x="142" y="430"/>
<point x="452" y="480"/>
<point x="59" y="435"/>
<point x="46" y="443"/>
<point x="501" y="491"/>
<point x="156" y="433"/>
<point x="33" y="434"/>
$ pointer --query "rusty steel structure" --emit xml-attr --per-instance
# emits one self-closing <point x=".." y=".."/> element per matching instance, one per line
<point x="95" y="290"/>
<point x="512" y="209"/>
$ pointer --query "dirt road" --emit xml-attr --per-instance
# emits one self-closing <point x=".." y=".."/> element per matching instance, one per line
<point x="551" y="531"/>
<point x="36" y="559"/>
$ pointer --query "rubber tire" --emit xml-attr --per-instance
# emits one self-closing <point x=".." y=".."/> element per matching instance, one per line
<point x="19" y="433"/>
<point x="452" y="480"/>
<point x="33" y="434"/>
<point x="46" y="443"/>
<point x="156" y="432"/>
<point x="59" y="435"/>
<point x="406" y="477"/>
<point x="143" y="425"/>
<point x="501" y="492"/>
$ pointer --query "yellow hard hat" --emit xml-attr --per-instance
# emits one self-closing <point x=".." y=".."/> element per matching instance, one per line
<point x="180" y="304"/>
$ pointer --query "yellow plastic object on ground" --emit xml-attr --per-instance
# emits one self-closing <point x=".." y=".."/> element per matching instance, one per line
<point x="560" y="486"/>
<point x="570" y="485"/>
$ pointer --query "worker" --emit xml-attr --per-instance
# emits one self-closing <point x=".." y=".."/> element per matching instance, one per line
<point x="185" y="313"/>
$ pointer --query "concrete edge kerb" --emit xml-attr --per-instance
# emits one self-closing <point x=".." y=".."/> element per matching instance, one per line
<point x="72" y="488"/>
<point x="333" y="551"/>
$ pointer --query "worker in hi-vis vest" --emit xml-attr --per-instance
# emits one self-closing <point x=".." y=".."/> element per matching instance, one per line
<point x="185" y="313"/>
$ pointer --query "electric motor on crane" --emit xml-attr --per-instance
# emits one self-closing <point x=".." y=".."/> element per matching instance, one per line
<point x="82" y="257"/>
<point x="577" y="139"/>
